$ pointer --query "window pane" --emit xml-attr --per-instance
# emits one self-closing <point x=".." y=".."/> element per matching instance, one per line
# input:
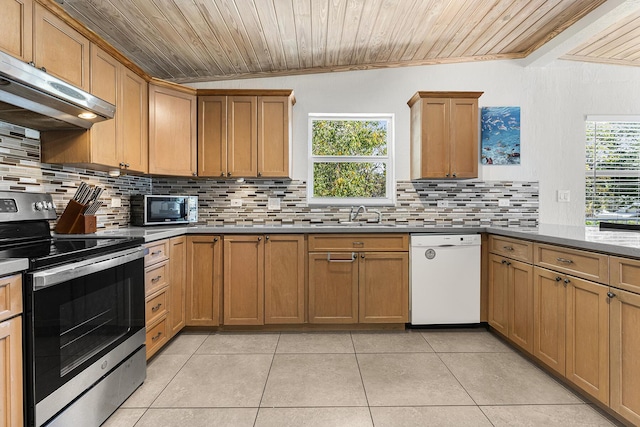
<point x="349" y="137"/>
<point x="349" y="179"/>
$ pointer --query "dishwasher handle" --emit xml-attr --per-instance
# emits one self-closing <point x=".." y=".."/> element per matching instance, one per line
<point x="353" y="258"/>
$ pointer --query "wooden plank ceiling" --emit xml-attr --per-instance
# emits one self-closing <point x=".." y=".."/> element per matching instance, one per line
<point x="196" y="40"/>
<point x="618" y="44"/>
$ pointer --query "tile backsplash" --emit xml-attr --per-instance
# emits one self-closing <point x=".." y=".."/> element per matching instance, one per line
<point x="470" y="203"/>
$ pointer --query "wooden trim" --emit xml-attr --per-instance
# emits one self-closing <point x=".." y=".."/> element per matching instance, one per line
<point x="173" y="86"/>
<point x="247" y="92"/>
<point x="421" y="94"/>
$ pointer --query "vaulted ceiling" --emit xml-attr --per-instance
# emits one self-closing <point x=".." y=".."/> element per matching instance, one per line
<point x="197" y="40"/>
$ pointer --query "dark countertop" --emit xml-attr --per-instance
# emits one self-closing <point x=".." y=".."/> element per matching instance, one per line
<point x="13" y="265"/>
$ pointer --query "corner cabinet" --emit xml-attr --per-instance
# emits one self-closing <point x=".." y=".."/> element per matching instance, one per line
<point x="172" y="129"/>
<point x="444" y="135"/>
<point x="244" y="133"/>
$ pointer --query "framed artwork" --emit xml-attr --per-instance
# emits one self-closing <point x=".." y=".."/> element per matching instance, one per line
<point x="500" y="129"/>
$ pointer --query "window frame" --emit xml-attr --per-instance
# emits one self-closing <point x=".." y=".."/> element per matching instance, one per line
<point x="388" y="160"/>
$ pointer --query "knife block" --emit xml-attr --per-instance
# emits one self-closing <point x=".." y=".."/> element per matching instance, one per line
<point x="72" y="221"/>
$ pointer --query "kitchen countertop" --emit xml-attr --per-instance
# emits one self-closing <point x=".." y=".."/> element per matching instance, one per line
<point x="623" y="243"/>
<point x="13" y="265"/>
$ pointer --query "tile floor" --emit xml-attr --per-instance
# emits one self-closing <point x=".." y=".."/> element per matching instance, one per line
<point x="412" y="378"/>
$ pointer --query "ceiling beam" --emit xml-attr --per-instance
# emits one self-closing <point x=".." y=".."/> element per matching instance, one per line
<point x="593" y="23"/>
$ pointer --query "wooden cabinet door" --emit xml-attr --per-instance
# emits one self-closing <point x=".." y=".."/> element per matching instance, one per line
<point x="105" y="84"/>
<point x="498" y="309"/>
<point x="521" y="304"/>
<point x="204" y="278"/>
<point x="588" y="337"/>
<point x="549" y="313"/>
<point x="11" y="406"/>
<point x="284" y="279"/>
<point x="60" y="49"/>
<point x="16" y="21"/>
<point x="383" y="287"/>
<point x="625" y="348"/>
<point x="464" y="138"/>
<point x="333" y="287"/>
<point x="133" y="121"/>
<point x="242" y="136"/>
<point x="435" y="154"/>
<point x="274" y="136"/>
<point x="172" y="132"/>
<point x="243" y="280"/>
<point x="177" y="284"/>
<point x="212" y="136"/>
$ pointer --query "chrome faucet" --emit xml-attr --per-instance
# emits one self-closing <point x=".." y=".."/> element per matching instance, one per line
<point x="356" y="211"/>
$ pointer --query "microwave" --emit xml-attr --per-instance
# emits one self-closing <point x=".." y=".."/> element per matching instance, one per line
<point x="152" y="209"/>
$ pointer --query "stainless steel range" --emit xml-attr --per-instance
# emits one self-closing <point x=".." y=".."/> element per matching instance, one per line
<point x="84" y="315"/>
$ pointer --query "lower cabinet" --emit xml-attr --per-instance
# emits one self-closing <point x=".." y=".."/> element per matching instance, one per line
<point x="264" y="279"/>
<point x="333" y="288"/>
<point x="11" y="410"/>
<point x="204" y="280"/>
<point x="177" y="284"/>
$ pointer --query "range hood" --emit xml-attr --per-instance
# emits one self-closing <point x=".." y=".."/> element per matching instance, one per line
<point x="32" y="98"/>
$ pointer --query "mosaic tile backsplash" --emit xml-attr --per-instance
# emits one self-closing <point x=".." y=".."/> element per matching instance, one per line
<point x="470" y="203"/>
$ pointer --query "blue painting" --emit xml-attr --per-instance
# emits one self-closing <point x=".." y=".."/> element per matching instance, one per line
<point x="500" y="136"/>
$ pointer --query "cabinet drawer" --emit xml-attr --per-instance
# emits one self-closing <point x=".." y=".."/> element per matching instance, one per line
<point x="587" y="265"/>
<point x="156" y="277"/>
<point x="358" y="242"/>
<point x="10" y="296"/>
<point x="158" y="251"/>
<point x="156" y="306"/>
<point x="156" y="337"/>
<point x="512" y="248"/>
<point x="624" y="273"/>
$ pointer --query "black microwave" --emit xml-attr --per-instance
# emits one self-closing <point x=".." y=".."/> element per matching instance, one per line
<point x="152" y="209"/>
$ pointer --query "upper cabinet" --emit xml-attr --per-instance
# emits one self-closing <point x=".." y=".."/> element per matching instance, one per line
<point x="59" y="49"/>
<point x="120" y="143"/>
<point x="16" y="20"/>
<point x="444" y="135"/>
<point x="244" y="133"/>
<point x="172" y="129"/>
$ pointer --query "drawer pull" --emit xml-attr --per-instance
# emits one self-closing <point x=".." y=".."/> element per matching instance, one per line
<point x="156" y="307"/>
<point x="154" y="253"/>
<point x="353" y="258"/>
<point x="158" y="335"/>
<point x="508" y="248"/>
<point x="358" y="243"/>
<point x="567" y="281"/>
<point x="564" y="260"/>
<point x="155" y="279"/>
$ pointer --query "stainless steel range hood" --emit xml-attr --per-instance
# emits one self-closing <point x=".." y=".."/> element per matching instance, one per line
<point x="32" y="98"/>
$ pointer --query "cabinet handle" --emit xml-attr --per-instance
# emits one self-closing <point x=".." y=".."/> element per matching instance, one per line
<point x="508" y="262"/>
<point x="155" y="279"/>
<point x="154" y="253"/>
<point x="267" y="238"/>
<point x="126" y="165"/>
<point x="567" y="281"/>
<point x="455" y="175"/>
<point x="121" y="164"/>
<point x="558" y="278"/>
<point x="228" y="173"/>
<point x="564" y="260"/>
<point x="156" y="336"/>
<point x="194" y="173"/>
<point x="353" y="258"/>
<point x="610" y="294"/>
<point x="447" y="175"/>
<point x="215" y="239"/>
<point x="43" y="69"/>
<point x="156" y="307"/>
<point x="508" y="248"/>
<point x="504" y="261"/>
<point x="358" y="243"/>
<point x="259" y="239"/>
<point x="259" y="173"/>
<point x="362" y="256"/>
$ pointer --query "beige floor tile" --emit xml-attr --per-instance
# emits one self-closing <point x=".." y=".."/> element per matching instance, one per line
<point x="124" y="417"/>
<point x="505" y="378"/>
<point x="160" y="371"/>
<point x="198" y="417"/>
<point x="419" y="416"/>
<point x="545" y="415"/>
<point x="299" y="380"/>
<point x="185" y="343"/>
<point x="465" y="342"/>
<point x="315" y="343"/>
<point x="217" y="381"/>
<point x="240" y="343"/>
<point x="314" y="417"/>
<point x="410" y="379"/>
<point x="390" y="342"/>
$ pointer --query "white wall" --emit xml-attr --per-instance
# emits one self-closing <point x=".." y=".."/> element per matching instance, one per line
<point x="554" y="101"/>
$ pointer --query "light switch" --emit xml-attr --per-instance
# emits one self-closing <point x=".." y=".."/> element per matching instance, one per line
<point x="116" y="202"/>
<point x="236" y="202"/>
<point x="564" y="196"/>
<point x="273" y="203"/>
<point x="504" y="202"/>
<point x="443" y="203"/>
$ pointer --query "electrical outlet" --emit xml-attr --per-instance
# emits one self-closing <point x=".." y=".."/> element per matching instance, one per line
<point x="443" y="203"/>
<point x="504" y="202"/>
<point x="116" y="202"/>
<point x="564" y="196"/>
<point x="273" y="203"/>
<point x="236" y="202"/>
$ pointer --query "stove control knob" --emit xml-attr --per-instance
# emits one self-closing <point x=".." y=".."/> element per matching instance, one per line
<point x="49" y="205"/>
<point x="39" y="206"/>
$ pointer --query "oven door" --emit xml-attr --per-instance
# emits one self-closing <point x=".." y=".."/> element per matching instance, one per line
<point x="83" y="319"/>
<point x="163" y="209"/>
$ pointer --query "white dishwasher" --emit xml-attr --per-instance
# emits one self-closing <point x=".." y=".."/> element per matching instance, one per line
<point x="445" y="279"/>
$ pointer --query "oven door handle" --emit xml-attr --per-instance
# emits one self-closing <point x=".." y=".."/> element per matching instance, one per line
<point x="44" y="279"/>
